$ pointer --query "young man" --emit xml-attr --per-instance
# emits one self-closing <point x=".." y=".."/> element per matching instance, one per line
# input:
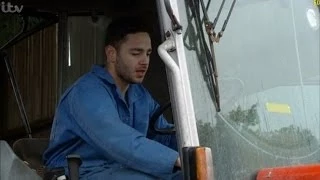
<point x="104" y="116"/>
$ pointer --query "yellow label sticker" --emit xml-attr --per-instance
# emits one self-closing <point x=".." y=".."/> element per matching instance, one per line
<point x="278" y="108"/>
<point x="316" y="2"/>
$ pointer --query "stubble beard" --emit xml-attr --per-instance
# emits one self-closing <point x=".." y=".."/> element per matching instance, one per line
<point x="125" y="75"/>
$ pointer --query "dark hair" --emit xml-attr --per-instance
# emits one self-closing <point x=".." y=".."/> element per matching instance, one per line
<point x="120" y="27"/>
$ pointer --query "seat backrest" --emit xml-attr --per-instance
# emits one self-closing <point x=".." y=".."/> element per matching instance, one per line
<point x="31" y="151"/>
<point x="12" y="167"/>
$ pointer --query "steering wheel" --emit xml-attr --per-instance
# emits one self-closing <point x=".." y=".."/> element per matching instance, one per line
<point x="152" y="124"/>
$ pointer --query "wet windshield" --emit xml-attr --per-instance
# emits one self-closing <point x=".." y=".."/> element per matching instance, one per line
<point x="268" y="65"/>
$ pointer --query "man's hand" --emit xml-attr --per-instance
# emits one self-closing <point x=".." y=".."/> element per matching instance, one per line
<point x="178" y="163"/>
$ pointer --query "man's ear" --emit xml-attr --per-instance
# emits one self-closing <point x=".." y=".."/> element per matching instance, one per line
<point x="111" y="54"/>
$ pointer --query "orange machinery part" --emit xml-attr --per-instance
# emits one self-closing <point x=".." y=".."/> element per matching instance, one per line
<point x="201" y="162"/>
<point x="300" y="172"/>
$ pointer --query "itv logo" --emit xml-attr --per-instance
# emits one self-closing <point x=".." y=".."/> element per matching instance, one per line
<point x="7" y="7"/>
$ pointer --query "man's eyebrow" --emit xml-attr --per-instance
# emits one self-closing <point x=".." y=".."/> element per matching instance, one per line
<point x="140" y="49"/>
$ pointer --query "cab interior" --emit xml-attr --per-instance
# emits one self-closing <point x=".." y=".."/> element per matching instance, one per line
<point x="62" y="40"/>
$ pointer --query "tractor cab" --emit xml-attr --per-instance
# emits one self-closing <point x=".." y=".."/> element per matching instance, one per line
<point x="239" y="79"/>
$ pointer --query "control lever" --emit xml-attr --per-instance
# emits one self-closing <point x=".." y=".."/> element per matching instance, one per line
<point x="74" y="163"/>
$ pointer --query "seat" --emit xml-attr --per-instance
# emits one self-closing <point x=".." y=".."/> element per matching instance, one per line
<point x="31" y="150"/>
<point x="12" y="167"/>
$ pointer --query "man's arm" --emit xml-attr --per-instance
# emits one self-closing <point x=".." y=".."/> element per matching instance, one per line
<point x="97" y="116"/>
<point x="167" y="140"/>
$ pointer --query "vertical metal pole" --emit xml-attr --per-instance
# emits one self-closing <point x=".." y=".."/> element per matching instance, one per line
<point x="17" y="95"/>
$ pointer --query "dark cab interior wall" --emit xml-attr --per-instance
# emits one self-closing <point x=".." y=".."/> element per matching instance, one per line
<point x="156" y="77"/>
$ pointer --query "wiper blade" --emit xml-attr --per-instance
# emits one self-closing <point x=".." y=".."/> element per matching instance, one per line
<point x="211" y="69"/>
<point x="215" y="82"/>
<point x="213" y="37"/>
<point x="210" y="26"/>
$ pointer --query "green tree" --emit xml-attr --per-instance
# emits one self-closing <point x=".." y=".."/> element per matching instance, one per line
<point x="248" y="117"/>
<point x="205" y="133"/>
<point x="291" y="137"/>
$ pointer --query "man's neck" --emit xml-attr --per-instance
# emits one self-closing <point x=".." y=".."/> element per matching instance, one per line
<point x="122" y="85"/>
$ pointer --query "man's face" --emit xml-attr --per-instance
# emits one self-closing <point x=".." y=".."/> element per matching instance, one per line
<point x="133" y="57"/>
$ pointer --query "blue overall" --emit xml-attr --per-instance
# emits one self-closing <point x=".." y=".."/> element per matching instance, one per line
<point x="109" y="132"/>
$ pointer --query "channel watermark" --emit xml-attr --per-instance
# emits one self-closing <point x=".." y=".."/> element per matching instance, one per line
<point x="7" y="7"/>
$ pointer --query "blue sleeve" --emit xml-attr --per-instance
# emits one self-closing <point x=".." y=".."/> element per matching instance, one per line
<point x="167" y="140"/>
<point x="96" y="114"/>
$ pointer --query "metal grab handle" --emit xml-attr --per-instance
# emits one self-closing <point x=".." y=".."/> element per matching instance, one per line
<point x="74" y="163"/>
